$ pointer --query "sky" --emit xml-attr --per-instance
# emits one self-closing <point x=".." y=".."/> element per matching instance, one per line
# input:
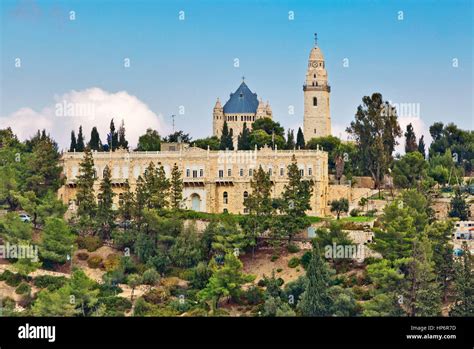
<point x="143" y="61"/>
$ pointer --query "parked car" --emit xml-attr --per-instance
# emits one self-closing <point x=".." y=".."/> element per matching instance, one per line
<point x="25" y="217"/>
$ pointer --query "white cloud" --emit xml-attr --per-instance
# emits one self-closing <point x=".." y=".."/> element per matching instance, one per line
<point x="419" y="128"/>
<point x="89" y="108"/>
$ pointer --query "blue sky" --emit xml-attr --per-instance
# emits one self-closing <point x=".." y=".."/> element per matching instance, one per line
<point x="191" y="62"/>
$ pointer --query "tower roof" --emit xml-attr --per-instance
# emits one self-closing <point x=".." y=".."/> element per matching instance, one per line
<point x="316" y="54"/>
<point x="241" y="101"/>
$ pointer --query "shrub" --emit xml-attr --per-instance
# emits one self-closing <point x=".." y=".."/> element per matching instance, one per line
<point x="90" y="243"/>
<point x="305" y="258"/>
<point x="94" y="262"/>
<point x="5" y="275"/>
<point x="254" y="295"/>
<point x="155" y="296"/>
<point x="23" y="288"/>
<point x="274" y="258"/>
<point x="371" y="213"/>
<point x="108" y="290"/>
<point x="13" y="279"/>
<point x="294" y="262"/>
<point x="355" y="212"/>
<point x="82" y="256"/>
<point x="292" y="248"/>
<point x="52" y="283"/>
<point x="150" y="277"/>
<point x="116" y="306"/>
<point x="112" y="262"/>
<point x="279" y="270"/>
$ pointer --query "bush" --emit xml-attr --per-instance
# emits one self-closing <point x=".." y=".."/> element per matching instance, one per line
<point x="116" y="306"/>
<point x="355" y="212"/>
<point x="23" y="288"/>
<point x="254" y="295"/>
<point x="82" y="256"/>
<point x="305" y="259"/>
<point x="52" y="283"/>
<point x="155" y="296"/>
<point x="294" y="262"/>
<point x="94" y="262"/>
<point x="112" y="262"/>
<point x="279" y="270"/>
<point x="5" y="275"/>
<point x="150" y="277"/>
<point x="90" y="243"/>
<point x="274" y="258"/>
<point x="371" y="213"/>
<point x="292" y="248"/>
<point x="13" y="279"/>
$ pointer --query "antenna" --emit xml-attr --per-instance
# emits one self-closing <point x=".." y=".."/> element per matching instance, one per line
<point x="315" y="39"/>
<point x="172" y="117"/>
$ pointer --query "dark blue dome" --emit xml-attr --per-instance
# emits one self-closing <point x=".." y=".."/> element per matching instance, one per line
<point x="242" y="101"/>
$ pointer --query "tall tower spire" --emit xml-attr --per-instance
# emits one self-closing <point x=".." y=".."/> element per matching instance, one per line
<point x="317" y="116"/>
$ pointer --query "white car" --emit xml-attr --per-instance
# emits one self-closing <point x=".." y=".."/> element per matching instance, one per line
<point x="24" y="217"/>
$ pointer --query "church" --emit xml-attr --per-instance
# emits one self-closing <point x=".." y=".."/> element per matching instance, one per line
<point x="219" y="181"/>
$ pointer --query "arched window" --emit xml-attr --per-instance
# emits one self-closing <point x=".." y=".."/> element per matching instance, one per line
<point x="314" y="76"/>
<point x="121" y="199"/>
<point x="246" y="194"/>
<point x="226" y="198"/>
<point x="315" y="101"/>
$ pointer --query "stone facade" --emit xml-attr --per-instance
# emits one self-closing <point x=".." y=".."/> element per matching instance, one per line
<point x="317" y="116"/>
<point x="214" y="181"/>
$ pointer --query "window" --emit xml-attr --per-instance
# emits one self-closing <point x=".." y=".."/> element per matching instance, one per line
<point x="229" y="172"/>
<point x="195" y="173"/>
<point x="221" y="173"/>
<point x="314" y="76"/>
<point x="270" y="172"/>
<point x="301" y="172"/>
<point x="314" y="130"/>
<point x="201" y="173"/>
<point x="282" y="171"/>
<point x="225" y="198"/>
<point x="315" y="101"/>
<point x="310" y="171"/>
<point x="188" y="172"/>
<point x="241" y="172"/>
<point x="225" y="210"/>
<point x="246" y="194"/>
<point x="251" y="172"/>
<point x="121" y="199"/>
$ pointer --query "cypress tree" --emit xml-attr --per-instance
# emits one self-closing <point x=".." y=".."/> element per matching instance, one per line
<point x="128" y="203"/>
<point x="105" y="214"/>
<point x="315" y="300"/>
<point x="80" y="140"/>
<point x="226" y="138"/>
<point x="300" y="144"/>
<point x="161" y="190"/>
<point x="85" y="191"/>
<point x="421" y="146"/>
<point x="122" y="142"/>
<point x="95" y="142"/>
<point x="290" y="140"/>
<point x="243" y="141"/>
<point x="176" y="187"/>
<point x="112" y="139"/>
<point x="73" y="146"/>
<point x="410" y="140"/>
<point x="459" y="207"/>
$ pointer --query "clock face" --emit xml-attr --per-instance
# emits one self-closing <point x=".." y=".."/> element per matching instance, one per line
<point x="314" y="64"/>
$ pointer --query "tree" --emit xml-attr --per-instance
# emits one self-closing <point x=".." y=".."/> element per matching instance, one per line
<point x="410" y="170"/>
<point x="226" y="138"/>
<point x="296" y="198"/>
<point x="222" y="237"/>
<point x="133" y="280"/>
<point x="300" y="143"/>
<point x="53" y="303"/>
<point x="258" y="206"/>
<point x="290" y="140"/>
<point x="375" y="130"/>
<point x="459" y="207"/>
<point x="57" y="242"/>
<point x="186" y="251"/>
<point x="127" y="204"/>
<point x="176" y="192"/>
<point x="12" y="229"/>
<point x="112" y="138"/>
<point x="267" y="132"/>
<point x="226" y="281"/>
<point x="269" y="126"/>
<point x="95" y="143"/>
<point x="105" y="214"/>
<point x="73" y="146"/>
<point x="410" y="140"/>
<point x="339" y="163"/>
<point x="122" y="142"/>
<point x="80" y="141"/>
<point x="150" y="141"/>
<point x="178" y="137"/>
<point x="84" y="290"/>
<point x="160" y="190"/>
<point x="212" y="142"/>
<point x="421" y="146"/>
<point x="463" y="285"/>
<point x="339" y="206"/>
<point x="243" y="140"/>
<point x="422" y="291"/>
<point x="85" y="191"/>
<point x="316" y="300"/>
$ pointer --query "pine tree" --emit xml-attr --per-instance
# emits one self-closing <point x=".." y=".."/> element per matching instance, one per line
<point x="315" y="300"/>
<point x="128" y="203"/>
<point x="243" y="141"/>
<point x="176" y="188"/>
<point x="290" y="140"/>
<point x="464" y="285"/>
<point x="459" y="206"/>
<point x="300" y="143"/>
<point x="80" y="140"/>
<point x="230" y="140"/>
<point x="122" y="142"/>
<point x="105" y="214"/>
<point x="161" y="190"/>
<point x="410" y="140"/>
<point x="142" y="197"/>
<point x="226" y="138"/>
<point x="57" y="240"/>
<point x="73" y="146"/>
<point x="112" y="139"/>
<point x="423" y="297"/>
<point x="95" y="142"/>
<point x="85" y="191"/>
<point x="294" y="204"/>
<point x="148" y="191"/>
<point x="421" y="146"/>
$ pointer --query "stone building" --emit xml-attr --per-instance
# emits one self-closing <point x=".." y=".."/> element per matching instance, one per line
<point x="242" y="107"/>
<point x="214" y="181"/>
<point x="317" y="116"/>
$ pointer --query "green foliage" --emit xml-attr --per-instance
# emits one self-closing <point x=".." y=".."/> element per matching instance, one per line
<point x="95" y="143"/>
<point x="53" y="303"/>
<point x="464" y="285"/>
<point x="150" y="277"/>
<point x="178" y="137"/>
<point x="226" y="141"/>
<point x="84" y="290"/>
<point x="275" y="307"/>
<point x="57" y="241"/>
<point x="176" y="190"/>
<point x="410" y="170"/>
<point x="186" y="251"/>
<point x="410" y="140"/>
<point x="80" y="141"/>
<point x="23" y="288"/>
<point x="87" y="206"/>
<point x="50" y="282"/>
<point x="293" y="262"/>
<point x="95" y="261"/>
<point x="300" y="143"/>
<point x="13" y="229"/>
<point x="150" y="141"/>
<point x="459" y="207"/>
<point x="105" y="214"/>
<point x="90" y="243"/>
<point x="223" y="237"/>
<point x="212" y="142"/>
<point x="243" y="140"/>
<point x="200" y="275"/>
<point x="339" y="206"/>
<point x="292" y="248"/>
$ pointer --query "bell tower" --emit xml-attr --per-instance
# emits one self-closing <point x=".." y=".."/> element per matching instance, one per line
<point x="317" y="116"/>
